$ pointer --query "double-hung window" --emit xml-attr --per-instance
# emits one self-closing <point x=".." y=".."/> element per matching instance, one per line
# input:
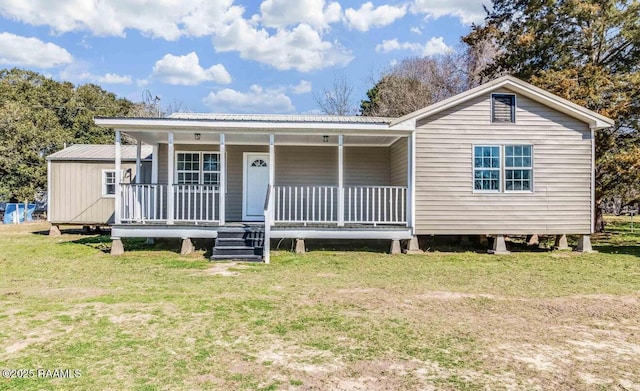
<point x="486" y="168"/>
<point x="108" y="183"/>
<point x="502" y="168"/>
<point x="517" y="167"/>
<point x="198" y="168"/>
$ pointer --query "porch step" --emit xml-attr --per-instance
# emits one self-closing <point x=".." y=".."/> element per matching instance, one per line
<point x="244" y="258"/>
<point x="239" y="243"/>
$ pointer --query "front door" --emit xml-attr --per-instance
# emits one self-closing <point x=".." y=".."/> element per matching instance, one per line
<point x="256" y="180"/>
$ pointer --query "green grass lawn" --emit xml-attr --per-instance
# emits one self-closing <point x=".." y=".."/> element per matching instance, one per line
<point x="152" y="319"/>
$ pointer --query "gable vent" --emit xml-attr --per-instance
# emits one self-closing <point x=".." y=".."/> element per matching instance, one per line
<point x="503" y="108"/>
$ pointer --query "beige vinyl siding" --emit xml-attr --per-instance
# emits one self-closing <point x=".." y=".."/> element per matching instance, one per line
<point x="445" y="200"/>
<point x="398" y="163"/>
<point x="301" y="166"/>
<point x="318" y="165"/>
<point x="366" y="166"/>
<point x="76" y="192"/>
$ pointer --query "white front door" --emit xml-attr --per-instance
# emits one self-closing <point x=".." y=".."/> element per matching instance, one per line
<point x="256" y="180"/>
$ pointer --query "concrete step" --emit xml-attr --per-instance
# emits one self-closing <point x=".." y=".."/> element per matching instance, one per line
<point x="244" y="258"/>
<point x="236" y="250"/>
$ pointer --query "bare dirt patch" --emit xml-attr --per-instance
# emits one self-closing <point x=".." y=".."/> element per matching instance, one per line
<point x="226" y="269"/>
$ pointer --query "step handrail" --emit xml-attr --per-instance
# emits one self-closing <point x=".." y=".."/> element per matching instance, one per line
<point x="267" y="225"/>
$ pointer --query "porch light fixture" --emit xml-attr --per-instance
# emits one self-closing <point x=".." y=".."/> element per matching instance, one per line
<point x="196" y="136"/>
<point x="325" y="139"/>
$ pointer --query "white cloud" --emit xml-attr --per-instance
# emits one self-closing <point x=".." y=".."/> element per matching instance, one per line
<point x="111" y="78"/>
<point x="367" y="16"/>
<point x="23" y="51"/>
<point x="74" y="74"/>
<point x="432" y="47"/>
<point x="304" y="87"/>
<point x="301" y="48"/>
<point x="316" y="13"/>
<point x="256" y="100"/>
<point x="168" y="19"/>
<point x="186" y="70"/>
<point x="468" y="11"/>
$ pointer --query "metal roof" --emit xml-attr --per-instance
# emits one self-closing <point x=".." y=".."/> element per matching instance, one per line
<point x="100" y="152"/>
<point x="282" y="118"/>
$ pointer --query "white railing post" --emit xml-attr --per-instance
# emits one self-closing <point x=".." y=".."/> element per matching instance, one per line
<point x="223" y="180"/>
<point x="170" y="170"/>
<point x="118" y="198"/>
<point x="340" y="180"/>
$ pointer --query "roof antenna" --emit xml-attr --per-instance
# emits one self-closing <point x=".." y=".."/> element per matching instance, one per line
<point x="149" y="100"/>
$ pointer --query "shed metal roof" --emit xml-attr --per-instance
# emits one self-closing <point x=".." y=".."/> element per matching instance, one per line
<point x="283" y="118"/>
<point x="100" y="152"/>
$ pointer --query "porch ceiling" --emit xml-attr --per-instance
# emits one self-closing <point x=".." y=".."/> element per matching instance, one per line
<point x="161" y="137"/>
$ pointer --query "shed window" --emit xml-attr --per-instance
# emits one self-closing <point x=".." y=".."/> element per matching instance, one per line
<point x="503" y="108"/>
<point x="198" y="168"/>
<point x="108" y="183"/>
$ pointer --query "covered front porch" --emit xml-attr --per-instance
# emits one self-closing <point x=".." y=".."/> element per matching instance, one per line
<point x="305" y="179"/>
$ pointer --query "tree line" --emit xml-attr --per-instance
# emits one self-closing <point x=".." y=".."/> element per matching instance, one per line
<point x="38" y="116"/>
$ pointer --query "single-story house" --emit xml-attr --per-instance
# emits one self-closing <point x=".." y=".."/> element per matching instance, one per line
<point x="82" y="182"/>
<point x="503" y="158"/>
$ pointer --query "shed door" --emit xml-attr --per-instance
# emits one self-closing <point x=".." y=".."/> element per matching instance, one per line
<point x="256" y="180"/>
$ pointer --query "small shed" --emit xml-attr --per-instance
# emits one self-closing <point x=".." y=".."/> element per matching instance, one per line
<point x="81" y="182"/>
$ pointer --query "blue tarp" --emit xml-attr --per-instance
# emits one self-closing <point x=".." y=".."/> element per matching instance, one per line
<point x="14" y="213"/>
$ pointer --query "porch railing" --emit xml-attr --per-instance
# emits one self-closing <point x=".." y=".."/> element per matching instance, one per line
<point x="375" y="204"/>
<point x="143" y="202"/>
<point x="196" y="203"/>
<point x="300" y="204"/>
<point x="319" y="204"/>
<point x="147" y="202"/>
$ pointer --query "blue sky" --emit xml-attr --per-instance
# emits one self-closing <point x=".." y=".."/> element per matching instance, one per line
<point x="229" y="56"/>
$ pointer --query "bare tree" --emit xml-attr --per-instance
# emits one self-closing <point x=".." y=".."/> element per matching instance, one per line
<point x="478" y="55"/>
<point x="337" y="99"/>
<point x="176" y="106"/>
<point x="414" y="83"/>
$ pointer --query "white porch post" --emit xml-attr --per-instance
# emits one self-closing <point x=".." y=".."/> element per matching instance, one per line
<point x="340" y="180"/>
<point x="118" y="198"/>
<point x="411" y="177"/>
<point x="272" y="174"/>
<point x="170" y="168"/>
<point x="137" y="191"/>
<point x="154" y="165"/>
<point x="223" y="179"/>
<point x="138" y="162"/>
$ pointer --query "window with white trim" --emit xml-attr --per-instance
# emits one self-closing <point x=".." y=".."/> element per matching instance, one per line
<point x="494" y="165"/>
<point x="486" y="168"/>
<point x="517" y="167"/>
<point x="108" y="183"/>
<point x="503" y="108"/>
<point x="211" y="168"/>
<point x="198" y="168"/>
